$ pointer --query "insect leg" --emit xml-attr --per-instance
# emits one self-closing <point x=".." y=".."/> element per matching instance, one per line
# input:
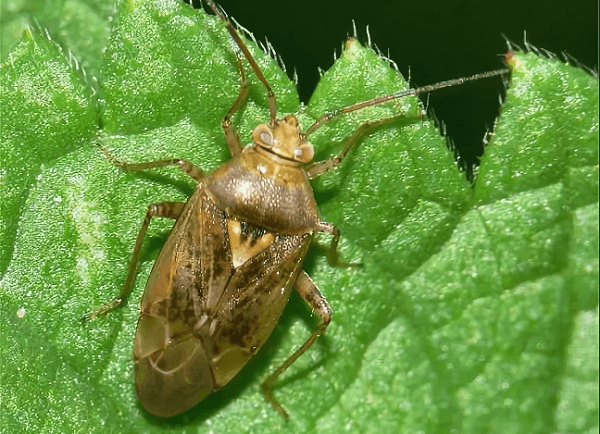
<point x="184" y="165"/>
<point x="237" y="38"/>
<point x="311" y="295"/>
<point x="333" y="256"/>
<point x="317" y="169"/>
<point x="170" y="210"/>
<point x="233" y="141"/>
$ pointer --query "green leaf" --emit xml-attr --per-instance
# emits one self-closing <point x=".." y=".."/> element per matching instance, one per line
<point x="81" y="26"/>
<point x="578" y="407"/>
<point x="47" y="110"/>
<point x="474" y="311"/>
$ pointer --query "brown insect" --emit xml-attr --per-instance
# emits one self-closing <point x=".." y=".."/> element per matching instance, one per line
<point x="226" y="272"/>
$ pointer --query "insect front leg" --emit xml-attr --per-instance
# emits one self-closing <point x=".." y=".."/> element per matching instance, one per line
<point x="311" y="295"/>
<point x="170" y="210"/>
<point x="184" y="165"/>
<point x="237" y="38"/>
<point x="317" y="169"/>
<point x="231" y="137"/>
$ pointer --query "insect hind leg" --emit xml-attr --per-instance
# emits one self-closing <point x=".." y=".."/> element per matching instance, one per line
<point x="170" y="210"/>
<point x="311" y="295"/>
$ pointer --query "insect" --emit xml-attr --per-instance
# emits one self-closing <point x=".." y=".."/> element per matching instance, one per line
<point x="224" y="275"/>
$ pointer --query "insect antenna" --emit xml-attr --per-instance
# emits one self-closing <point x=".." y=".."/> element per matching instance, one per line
<point x="400" y="94"/>
<point x="235" y="35"/>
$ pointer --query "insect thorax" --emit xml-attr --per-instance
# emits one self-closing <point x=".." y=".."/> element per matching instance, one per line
<point x="275" y="195"/>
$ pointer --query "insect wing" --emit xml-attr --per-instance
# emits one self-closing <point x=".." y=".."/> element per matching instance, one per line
<point x="213" y="298"/>
<point x="172" y="370"/>
<point x="252" y="303"/>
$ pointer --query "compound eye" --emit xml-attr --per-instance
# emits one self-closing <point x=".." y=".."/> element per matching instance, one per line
<point x="263" y="136"/>
<point x="304" y="153"/>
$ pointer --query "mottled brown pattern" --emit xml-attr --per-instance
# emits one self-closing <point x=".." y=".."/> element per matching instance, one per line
<point x="251" y="233"/>
<point x="258" y="293"/>
<point x="192" y="269"/>
<point x="228" y="312"/>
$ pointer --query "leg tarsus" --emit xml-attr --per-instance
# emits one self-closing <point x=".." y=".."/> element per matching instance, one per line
<point x="170" y="210"/>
